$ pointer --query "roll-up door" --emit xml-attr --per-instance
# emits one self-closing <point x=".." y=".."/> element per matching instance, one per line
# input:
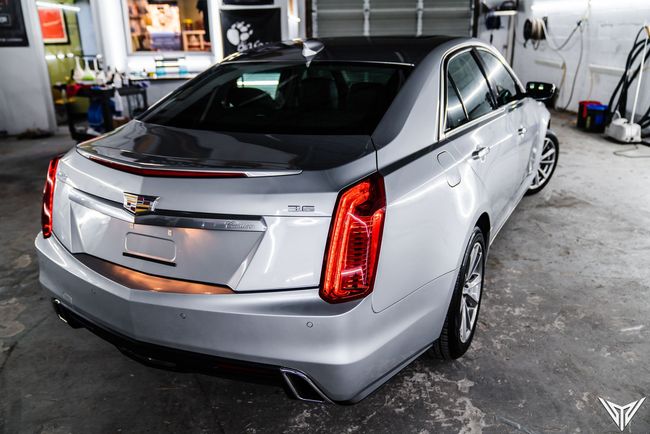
<point x="391" y="17"/>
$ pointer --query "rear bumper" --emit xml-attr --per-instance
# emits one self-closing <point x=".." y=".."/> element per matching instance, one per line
<point x="346" y="350"/>
<point x="296" y="384"/>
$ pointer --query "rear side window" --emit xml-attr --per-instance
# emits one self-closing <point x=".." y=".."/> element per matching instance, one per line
<point x="284" y="98"/>
<point x="504" y="85"/>
<point x="471" y="84"/>
<point x="455" y="110"/>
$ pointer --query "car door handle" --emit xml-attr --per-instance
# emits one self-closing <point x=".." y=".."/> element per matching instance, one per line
<point x="480" y="152"/>
<point x="521" y="131"/>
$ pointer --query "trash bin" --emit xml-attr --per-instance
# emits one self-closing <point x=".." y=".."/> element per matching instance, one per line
<point x="582" y="112"/>
<point x="596" y="118"/>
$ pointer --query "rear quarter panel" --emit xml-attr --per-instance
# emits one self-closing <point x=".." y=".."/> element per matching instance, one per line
<point x="428" y="222"/>
<point x="427" y="225"/>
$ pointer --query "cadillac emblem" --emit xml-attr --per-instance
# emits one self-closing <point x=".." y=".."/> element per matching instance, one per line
<point x="138" y="204"/>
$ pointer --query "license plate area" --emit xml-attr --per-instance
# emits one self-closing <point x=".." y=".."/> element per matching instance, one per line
<point x="215" y="256"/>
<point x="150" y="248"/>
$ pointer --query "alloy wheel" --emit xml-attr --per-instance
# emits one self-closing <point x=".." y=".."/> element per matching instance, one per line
<point x="546" y="164"/>
<point x="471" y="295"/>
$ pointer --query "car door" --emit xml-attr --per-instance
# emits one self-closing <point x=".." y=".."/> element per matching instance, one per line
<point x="481" y="133"/>
<point x="509" y="95"/>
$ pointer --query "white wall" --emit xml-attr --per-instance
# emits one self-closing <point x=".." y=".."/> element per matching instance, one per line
<point x="608" y="37"/>
<point x="87" y="31"/>
<point x="111" y="31"/>
<point x="498" y="38"/>
<point x="25" y="97"/>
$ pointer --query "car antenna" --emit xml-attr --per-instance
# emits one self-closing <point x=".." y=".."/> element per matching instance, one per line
<point x="310" y="48"/>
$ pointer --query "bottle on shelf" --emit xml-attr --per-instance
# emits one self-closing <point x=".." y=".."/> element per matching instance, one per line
<point x="78" y="73"/>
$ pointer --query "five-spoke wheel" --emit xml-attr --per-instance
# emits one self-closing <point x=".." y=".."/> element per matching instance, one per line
<point x="547" y="164"/>
<point x="471" y="295"/>
<point x="460" y="323"/>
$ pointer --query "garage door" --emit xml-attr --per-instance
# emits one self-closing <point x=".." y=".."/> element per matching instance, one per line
<point x="391" y="17"/>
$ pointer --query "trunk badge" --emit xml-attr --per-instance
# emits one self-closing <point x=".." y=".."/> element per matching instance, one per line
<point x="140" y="204"/>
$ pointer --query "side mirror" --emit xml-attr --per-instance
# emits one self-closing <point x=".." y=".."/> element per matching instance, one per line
<point x="540" y="91"/>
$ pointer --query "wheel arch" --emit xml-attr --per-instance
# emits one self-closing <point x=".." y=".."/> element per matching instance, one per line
<point x="551" y="133"/>
<point x="484" y="225"/>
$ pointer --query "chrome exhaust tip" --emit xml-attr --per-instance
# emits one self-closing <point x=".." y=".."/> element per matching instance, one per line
<point x="62" y="313"/>
<point x="302" y="388"/>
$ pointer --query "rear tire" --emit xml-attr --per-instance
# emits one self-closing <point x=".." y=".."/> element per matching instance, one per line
<point x="462" y="316"/>
<point x="550" y="154"/>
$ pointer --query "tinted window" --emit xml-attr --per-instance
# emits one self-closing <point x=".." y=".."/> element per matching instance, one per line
<point x="455" y="111"/>
<point x="283" y="98"/>
<point x="503" y="83"/>
<point x="268" y="82"/>
<point x="471" y="84"/>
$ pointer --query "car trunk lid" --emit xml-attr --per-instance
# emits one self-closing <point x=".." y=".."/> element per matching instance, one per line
<point x="265" y="229"/>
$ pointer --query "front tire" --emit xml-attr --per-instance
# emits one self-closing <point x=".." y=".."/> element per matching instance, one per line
<point x="462" y="316"/>
<point x="547" y="164"/>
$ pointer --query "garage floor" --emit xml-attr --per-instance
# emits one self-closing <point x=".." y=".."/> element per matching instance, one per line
<point x="565" y="319"/>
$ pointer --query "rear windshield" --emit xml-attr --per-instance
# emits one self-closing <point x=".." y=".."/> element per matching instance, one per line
<point x="281" y="98"/>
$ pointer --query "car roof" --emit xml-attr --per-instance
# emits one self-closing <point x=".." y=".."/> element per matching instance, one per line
<point x="388" y="49"/>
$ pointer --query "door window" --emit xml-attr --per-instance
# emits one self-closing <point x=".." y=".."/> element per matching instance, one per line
<point x="504" y="85"/>
<point x="471" y="84"/>
<point x="455" y="110"/>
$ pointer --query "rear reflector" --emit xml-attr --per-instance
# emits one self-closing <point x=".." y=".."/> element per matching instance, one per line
<point x="166" y="173"/>
<point x="48" y="198"/>
<point x="354" y="242"/>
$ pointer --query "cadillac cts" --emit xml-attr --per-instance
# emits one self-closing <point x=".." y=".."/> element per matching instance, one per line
<point x="317" y="212"/>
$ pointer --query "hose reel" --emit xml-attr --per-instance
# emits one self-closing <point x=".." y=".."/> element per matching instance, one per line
<point x="534" y="29"/>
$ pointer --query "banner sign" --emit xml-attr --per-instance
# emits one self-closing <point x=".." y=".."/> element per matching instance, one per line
<point x="12" y="26"/>
<point x="243" y="29"/>
<point x="53" y="26"/>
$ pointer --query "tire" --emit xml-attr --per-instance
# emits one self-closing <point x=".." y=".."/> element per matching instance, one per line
<point x="547" y="169"/>
<point x="455" y="338"/>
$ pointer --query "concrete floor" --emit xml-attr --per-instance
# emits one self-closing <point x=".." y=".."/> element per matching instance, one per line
<point x="566" y="318"/>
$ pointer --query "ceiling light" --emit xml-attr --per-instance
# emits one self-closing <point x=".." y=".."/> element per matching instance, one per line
<point x="57" y="6"/>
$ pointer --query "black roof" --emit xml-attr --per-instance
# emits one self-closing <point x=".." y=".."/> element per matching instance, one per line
<point x="399" y="49"/>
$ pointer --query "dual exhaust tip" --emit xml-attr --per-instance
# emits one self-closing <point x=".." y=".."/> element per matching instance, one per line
<point x="301" y="387"/>
<point x="297" y="385"/>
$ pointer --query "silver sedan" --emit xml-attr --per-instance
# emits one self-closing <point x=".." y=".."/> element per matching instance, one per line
<point x="313" y="212"/>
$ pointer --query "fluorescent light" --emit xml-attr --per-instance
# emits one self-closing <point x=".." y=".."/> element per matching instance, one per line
<point x="57" y="6"/>
<point x="253" y="83"/>
<point x="503" y="13"/>
<point x="559" y="6"/>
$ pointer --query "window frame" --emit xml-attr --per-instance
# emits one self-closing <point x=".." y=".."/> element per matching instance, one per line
<point x="442" y="99"/>
<point x="444" y="81"/>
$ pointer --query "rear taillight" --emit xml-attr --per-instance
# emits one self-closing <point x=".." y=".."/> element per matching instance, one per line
<point x="355" y="238"/>
<point x="48" y="198"/>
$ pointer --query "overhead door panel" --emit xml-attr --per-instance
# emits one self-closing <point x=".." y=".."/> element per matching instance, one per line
<point x="391" y="17"/>
<point x="338" y="18"/>
<point x="447" y="17"/>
